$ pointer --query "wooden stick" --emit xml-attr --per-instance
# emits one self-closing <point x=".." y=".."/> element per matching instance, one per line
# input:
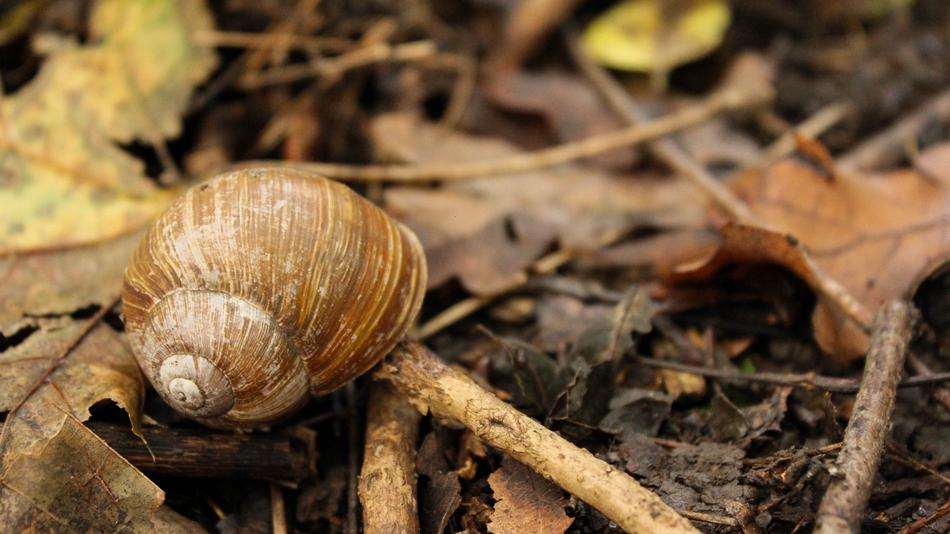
<point x="278" y="513"/>
<point x="889" y="146"/>
<point x="205" y="453"/>
<point x="845" y="501"/>
<point x="388" y="477"/>
<point x="450" y="394"/>
<point x="520" y="163"/>
<point x="813" y="126"/>
<point x="797" y="380"/>
<point x="667" y="150"/>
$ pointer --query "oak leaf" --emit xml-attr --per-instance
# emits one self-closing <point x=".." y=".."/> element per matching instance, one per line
<point x="879" y="236"/>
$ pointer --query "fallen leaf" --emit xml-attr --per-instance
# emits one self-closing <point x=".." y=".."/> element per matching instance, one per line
<point x="65" y="180"/>
<point x="637" y="410"/>
<point x="879" y="236"/>
<point x="594" y="357"/>
<point x="655" y="35"/>
<point x="486" y="231"/>
<point x="75" y="483"/>
<point x="49" y="383"/>
<point x="56" y="283"/>
<point x="525" y="502"/>
<point x="441" y="495"/>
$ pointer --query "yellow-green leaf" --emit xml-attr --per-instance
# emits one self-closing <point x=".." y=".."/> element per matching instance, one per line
<point x="64" y="180"/>
<point x="656" y="35"/>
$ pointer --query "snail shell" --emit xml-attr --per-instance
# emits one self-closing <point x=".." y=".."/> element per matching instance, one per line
<point x="261" y="286"/>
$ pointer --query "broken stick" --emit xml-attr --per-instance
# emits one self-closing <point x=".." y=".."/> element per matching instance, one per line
<point x="388" y="477"/>
<point x="450" y="394"/>
<point x="845" y="501"/>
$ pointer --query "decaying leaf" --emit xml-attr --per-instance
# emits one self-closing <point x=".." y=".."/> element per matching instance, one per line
<point x="53" y="470"/>
<point x="441" y="493"/>
<point x="48" y="284"/>
<point x="72" y="484"/>
<point x="579" y="389"/>
<point x="65" y="180"/>
<point x="525" y="502"/>
<point x="655" y="35"/>
<point x="880" y="236"/>
<point x="486" y="231"/>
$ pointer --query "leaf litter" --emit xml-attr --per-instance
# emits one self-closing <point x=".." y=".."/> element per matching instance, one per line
<point x="749" y="456"/>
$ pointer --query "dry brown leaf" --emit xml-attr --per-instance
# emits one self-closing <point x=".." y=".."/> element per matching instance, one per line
<point x="879" y="236"/>
<point x="70" y="485"/>
<point x="486" y="231"/>
<point x="43" y="285"/>
<point x="55" y="473"/>
<point x="525" y="502"/>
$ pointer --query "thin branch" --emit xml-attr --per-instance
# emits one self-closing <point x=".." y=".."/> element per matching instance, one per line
<point x="888" y="146"/>
<point x="667" y="150"/>
<point x="450" y="394"/>
<point x="521" y="163"/>
<point x="812" y="127"/>
<point x="465" y="307"/>
<point x="336" y="66"/>
<point x="388" y="477"/>
<point x="278" y="514"/>
<point x="845" y="501"/>
<point x="352" y="460"/>
<point x="681" y="161"/>
<point x="798" y="380"/>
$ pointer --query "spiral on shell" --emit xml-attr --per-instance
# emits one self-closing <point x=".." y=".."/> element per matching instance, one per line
<point x="261" y="286"/>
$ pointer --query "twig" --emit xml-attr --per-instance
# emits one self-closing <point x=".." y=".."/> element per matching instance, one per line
<point x="352" y="459"/>
<point x="709" y="518"/>
<point x="450" y="394"/>
<point x="207" y="454"/>
<point x="667" y="150"/>
<point x="888" y="146"/>
<point x="813" y="126"/>
<point x="798" y="380"/>
<point x="278" y="515"/>
<point x="941" y="393"/>
<point x="334" y="67"/>
<point x="549" y="157"/>
<point x="388" y="477"/>
<point x="269" y="40"/>
<point x="845" y="500"/>
<point x="465" y="307"/>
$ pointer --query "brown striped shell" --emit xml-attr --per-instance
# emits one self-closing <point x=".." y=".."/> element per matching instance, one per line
<point x="260" y="286"/>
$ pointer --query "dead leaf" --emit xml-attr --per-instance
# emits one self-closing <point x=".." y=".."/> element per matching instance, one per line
<point x="525" y="502"/>
<point x="594" y="357"/>
<point x="75" y="483"/>
<point x="879" y="236"/>
<point x="48" y="382"/>
<point x="48" y="284"/>
<point x="486" y="231"/>
<point x="441" y="496"/>
<point x="65" y="180"/>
